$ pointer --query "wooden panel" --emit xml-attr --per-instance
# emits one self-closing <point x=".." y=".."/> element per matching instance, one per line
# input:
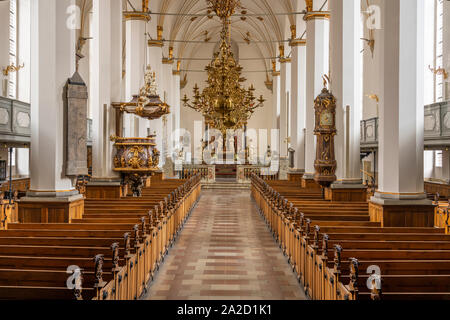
<point x="347" y="195"/>
<point x="294" y="177"/>
<point x="103" y="192"/>
<point x="310" y="184"/>
<point x="50" y="212"/>
<point x="442" y="189"/>
<point x="402" y="216"/>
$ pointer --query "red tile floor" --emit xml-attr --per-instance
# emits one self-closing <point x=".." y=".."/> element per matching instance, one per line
<point x="225" y="252"/>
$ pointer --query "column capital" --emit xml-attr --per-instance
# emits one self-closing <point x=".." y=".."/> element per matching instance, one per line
<point x="316" y="15"/>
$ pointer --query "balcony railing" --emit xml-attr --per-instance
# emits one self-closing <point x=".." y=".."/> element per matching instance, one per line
<point x="15" y="121"/>
<point x="436" y="127"/>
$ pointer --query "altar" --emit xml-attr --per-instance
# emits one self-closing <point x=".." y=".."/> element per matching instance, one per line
<point x="226" y="171"/>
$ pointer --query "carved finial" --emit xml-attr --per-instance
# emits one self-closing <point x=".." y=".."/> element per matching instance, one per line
<point x="308" y="227"/>
<point x="98" y="269"/>
<point x="316" y="237"/>
<point x="136" y="236"/>
<point x="325" y="246"/>
<point x="127" y="244"/>
<point x="143" y="226"/>
<point x="337" y="259"/>
<point x="115" y="256"/>
<point x="354" y="273"/>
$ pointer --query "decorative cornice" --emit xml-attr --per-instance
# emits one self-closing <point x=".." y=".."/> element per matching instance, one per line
<point x="176" y="73"/>
<point x="284" y="60"/>
<point x="297" y="42"/>
<point x="313" y="15"/>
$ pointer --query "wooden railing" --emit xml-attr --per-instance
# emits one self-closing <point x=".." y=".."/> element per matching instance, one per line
<point x="206" y="172"/>
<point x="244" y="173"/>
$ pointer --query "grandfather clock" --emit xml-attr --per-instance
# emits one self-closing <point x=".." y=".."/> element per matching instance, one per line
<point x="325" y="130"/>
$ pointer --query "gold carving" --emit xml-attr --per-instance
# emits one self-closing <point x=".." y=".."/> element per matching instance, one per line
<point x="12" y="68"/>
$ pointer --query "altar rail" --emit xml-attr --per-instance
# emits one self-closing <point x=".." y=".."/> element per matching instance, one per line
<point x="207" y="172"/>
<point x="245" y="172"/>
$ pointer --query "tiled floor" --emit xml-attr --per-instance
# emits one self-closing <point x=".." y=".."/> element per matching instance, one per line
<point x="225" y="252"/>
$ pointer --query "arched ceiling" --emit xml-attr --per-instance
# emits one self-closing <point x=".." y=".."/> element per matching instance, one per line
<point x="259" y="23"/>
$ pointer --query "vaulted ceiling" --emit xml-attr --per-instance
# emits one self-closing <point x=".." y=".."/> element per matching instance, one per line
<point x="264" y="24"/>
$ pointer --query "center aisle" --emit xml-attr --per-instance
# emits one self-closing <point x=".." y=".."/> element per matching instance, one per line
<point x="225" y="252"/>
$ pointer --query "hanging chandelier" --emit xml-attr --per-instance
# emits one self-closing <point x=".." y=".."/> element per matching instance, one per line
<point x="224" y="103"/>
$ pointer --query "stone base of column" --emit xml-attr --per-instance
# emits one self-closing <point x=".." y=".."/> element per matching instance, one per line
<point x="308" y="182"/>
<point x="398" y="211"/>
<point x="49" y="207"/>
<point x="105" y="189"/>
<point x="348" y="191"/>
<point x="295" y="175"/>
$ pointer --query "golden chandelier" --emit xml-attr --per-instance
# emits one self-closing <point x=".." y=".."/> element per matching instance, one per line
<point x="225" y="104"/>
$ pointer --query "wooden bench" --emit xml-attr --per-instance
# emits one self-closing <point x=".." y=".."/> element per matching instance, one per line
<point x="413" y="262"/>
<point x="117" y="256"/>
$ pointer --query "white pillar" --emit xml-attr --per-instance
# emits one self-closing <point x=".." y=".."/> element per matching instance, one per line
<point x="154" y="59"/>
<point x="276" y="101"/>
<point x="4" y="48"/>
<point x="298" y="102"/>
<point x="285" y="89"/>
<point x="105" y="84"/>
<point x="401" y="140"/>
<point x="52" y="64"/>
<point x="135" y="66"/>
<point x="346" y="86"/>
<point x="317" y="62"/>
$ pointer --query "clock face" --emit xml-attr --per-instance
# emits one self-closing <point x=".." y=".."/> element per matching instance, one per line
<point x="326" y="119"/>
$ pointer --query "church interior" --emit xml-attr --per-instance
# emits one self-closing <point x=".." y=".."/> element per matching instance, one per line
<point x="224" y="150"/>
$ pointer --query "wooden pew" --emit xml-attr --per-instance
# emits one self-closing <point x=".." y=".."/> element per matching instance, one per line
<point x="413" y="262"/>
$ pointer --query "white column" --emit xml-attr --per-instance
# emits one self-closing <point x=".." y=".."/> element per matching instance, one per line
<point x="285" y="82"/>
<point x="135" y="66"/>
<point x="24" y="42"/>
<point x="317" y="62"/>
<point x="52" y="63"/>
<point x="276" y="101"/>
<point x="154" y="58"/>
<point x="401" y="140"/>
<point x="105" y="84"/>
<point x="298" y="102"/>
<point x="177" y="101"/>
<point x="4" y="48"/>
<point x="346" y="86"/>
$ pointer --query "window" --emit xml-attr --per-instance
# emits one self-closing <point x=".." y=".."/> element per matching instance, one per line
<point x="438" y="159"/>
<point x="12" y="91"/>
